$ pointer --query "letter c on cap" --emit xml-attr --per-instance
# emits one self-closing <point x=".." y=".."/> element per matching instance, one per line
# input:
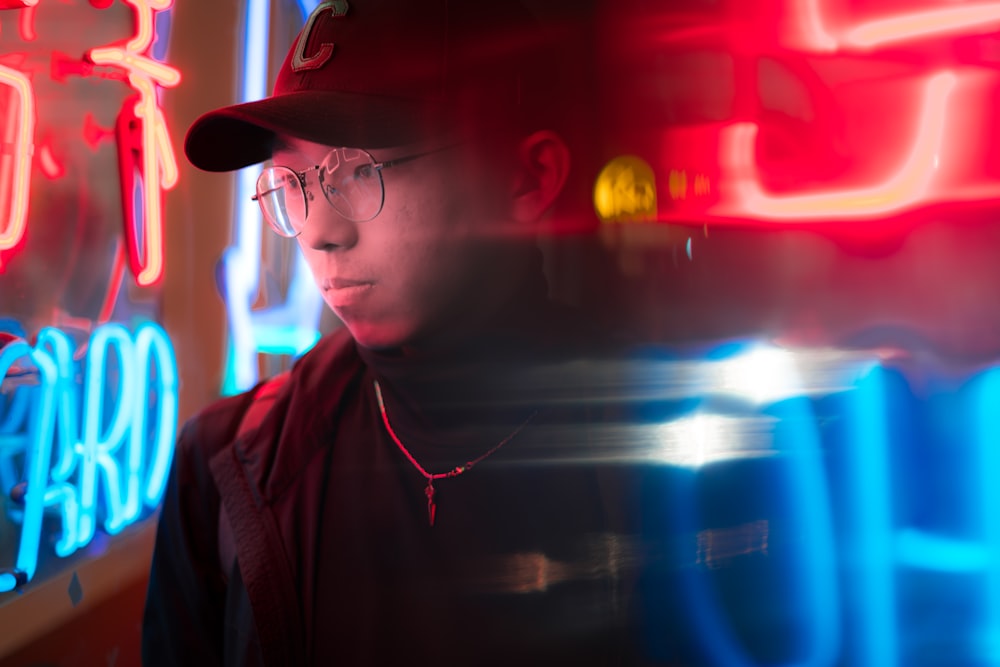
<point x="299" y="60"/>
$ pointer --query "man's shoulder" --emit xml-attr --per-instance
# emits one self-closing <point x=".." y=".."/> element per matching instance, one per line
<point x="217" y="423"/>
<point x="286" y="425"/>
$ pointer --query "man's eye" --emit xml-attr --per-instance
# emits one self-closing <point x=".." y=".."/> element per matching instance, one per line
<point x="364" y="171"/>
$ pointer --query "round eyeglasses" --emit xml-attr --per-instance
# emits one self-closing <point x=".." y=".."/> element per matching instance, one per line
<point x="350" y="179"/>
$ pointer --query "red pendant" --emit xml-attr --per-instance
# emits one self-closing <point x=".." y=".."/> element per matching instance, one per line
<point x="431" y="507"/>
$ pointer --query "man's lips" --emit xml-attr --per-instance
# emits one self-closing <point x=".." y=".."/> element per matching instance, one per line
<point x="345" y="293"/>
<point x="343" y="283"/>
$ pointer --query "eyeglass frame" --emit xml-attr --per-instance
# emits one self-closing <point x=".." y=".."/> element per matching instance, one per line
<point x="301" y="177"/>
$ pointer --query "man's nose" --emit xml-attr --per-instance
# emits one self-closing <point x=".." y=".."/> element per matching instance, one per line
<point x="325" y="227"/>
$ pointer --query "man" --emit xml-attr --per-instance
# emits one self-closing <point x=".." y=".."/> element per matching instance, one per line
<point x="417" y="490"/>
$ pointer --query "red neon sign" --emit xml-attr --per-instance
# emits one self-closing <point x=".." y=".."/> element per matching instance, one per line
<point x="812" y="132"/>
<point x="17" y="127"/>
<point x="815" y="33"/>
<point x="906" y="186"/>
<point x="144" y="146"/>
<point x="147" y="162"/>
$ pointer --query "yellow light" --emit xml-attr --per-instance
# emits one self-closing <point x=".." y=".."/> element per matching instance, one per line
<point x="678" y="184"/>
<point x="702" y="185"/>
<point x="625" y="191"/>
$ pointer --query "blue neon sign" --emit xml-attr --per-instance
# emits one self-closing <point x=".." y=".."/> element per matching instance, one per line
<point x="93" y="438"/>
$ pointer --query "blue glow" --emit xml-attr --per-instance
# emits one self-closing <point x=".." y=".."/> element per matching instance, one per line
<point x="926" y="551"/>
<point x="59" y="346"/>
<point x="61" y="492"/>
<point x="307" y="7"/>
<point x="151" y="345"/>
<point x="161" y="43"/>
<point x="119" y="452"/>
<point x="284" y="339"/>
<point x="290" y="327"/>
<point x="868" y="508"/>
<point x="809" y="586"/>
<point x="97" y="447"/>
<point x="789" y="485"/>
<point x="758" y="373"/>
<point x="37" y="462"/>
<point x="986" y="435"/>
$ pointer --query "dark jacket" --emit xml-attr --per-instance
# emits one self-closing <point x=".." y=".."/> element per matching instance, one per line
<point x="561" y="592"/>
<point x="198" y="610"/>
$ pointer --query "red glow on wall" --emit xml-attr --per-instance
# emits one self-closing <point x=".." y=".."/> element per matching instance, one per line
<point x="94" y="134"/>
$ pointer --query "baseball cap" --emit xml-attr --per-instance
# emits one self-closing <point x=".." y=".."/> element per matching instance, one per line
<point x="379" y="73"/>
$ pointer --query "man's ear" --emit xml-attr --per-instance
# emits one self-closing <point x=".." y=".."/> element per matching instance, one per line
<point x="542" y="166"/>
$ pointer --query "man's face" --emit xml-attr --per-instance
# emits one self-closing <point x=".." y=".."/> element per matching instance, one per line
<point x="425" y="264"/>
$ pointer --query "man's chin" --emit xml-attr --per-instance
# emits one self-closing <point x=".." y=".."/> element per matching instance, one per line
<point x="378" y="336"/>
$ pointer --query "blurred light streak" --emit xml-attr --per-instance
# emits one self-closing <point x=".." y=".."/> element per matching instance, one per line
<point x="241" y="262"/>
<point x="986" y="435"/>
<point x="812" y="33"/>
<point x="869" y="513"/>
<point x="703" y="438"/>
<point x="760" y="374"/>
<point x="810" y="579"/>
<point x="291" y="327"/>
<point x="902" y="189"/>
<point x="717" y="546"/>
<point x="806" y="372"/>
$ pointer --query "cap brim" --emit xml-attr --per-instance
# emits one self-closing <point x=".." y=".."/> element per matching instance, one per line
<point x="243" y="134"/>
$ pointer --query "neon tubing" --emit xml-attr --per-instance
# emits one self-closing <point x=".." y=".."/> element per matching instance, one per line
<point x="915" y="25"/>
<point x="159" y="164"/>
<point x="907" y="186"/>
<point x="12" y="231"/>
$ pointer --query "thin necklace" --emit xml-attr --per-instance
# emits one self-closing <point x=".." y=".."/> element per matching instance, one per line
<point x="454" y="472"/>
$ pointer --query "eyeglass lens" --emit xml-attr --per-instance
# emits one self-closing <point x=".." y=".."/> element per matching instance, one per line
<point x="348" y="178"/>
<point x="281" y="200"/>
